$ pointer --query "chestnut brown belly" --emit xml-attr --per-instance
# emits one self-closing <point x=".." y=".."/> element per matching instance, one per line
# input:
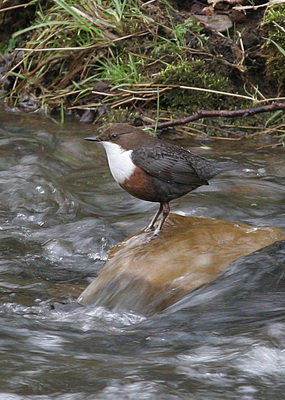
<point x="149" y="188"/>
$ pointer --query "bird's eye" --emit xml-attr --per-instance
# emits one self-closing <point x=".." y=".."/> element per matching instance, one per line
<point x="114" y="136"/>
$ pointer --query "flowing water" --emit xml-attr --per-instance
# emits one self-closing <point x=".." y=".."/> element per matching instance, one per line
<point x="60" y="213"/>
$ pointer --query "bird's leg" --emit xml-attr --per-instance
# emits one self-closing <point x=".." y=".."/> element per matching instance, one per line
<point x="153" y="221"/>
<point x="165" y="212"/>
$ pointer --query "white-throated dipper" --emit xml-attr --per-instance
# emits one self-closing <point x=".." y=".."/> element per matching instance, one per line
<point x="153" y="170"/>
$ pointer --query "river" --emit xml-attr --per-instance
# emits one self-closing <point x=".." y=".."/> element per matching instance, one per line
<point x="60" y="213"/>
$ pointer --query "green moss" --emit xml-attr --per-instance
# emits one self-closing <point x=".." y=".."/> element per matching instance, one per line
<point x="8" y="47"/>
<point x="196" y="74"/>
<point x="273" y="23"/>
<point x="119" y="115"/>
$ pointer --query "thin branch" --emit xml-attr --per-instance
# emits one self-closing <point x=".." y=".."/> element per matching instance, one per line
<point x="14" y="7"/>
<point x="246" y="112"/>
<point x="255" y="7"/>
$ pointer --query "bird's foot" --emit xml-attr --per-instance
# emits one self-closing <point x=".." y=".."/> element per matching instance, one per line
<point x="155" y="234"/>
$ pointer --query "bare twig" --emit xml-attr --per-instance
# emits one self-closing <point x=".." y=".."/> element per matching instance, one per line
<point x="221" y="113"/>
<point x="255" y="7"/>
<point x="14" y="7"/>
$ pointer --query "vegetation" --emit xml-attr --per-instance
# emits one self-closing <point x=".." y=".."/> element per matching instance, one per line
<point x="131" y="55"/>
<point x="275" y="43"/>
<point x="195" y="73"/>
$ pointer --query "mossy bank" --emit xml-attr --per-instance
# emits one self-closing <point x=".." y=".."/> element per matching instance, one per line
<point x="141" y="59"/>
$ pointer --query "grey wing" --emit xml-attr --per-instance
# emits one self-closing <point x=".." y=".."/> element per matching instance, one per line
<point x="167" y="165"/>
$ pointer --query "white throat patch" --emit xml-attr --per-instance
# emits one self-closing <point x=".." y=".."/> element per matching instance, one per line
<point x="120" y="161"/>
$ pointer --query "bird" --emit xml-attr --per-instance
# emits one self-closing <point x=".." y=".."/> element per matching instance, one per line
<point x="155" y="170"/>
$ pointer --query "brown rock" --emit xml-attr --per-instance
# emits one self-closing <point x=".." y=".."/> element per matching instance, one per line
<point x="147" y="276"/>
<point x="215" y="22"/>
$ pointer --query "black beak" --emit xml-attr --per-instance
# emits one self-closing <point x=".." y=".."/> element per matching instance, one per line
<point x="93" y="139"/>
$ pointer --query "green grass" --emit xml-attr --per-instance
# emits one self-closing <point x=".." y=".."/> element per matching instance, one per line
<point x="124" y="69"/>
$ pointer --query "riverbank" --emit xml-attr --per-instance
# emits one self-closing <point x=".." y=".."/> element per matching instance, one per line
<point x="137" y="62"/>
